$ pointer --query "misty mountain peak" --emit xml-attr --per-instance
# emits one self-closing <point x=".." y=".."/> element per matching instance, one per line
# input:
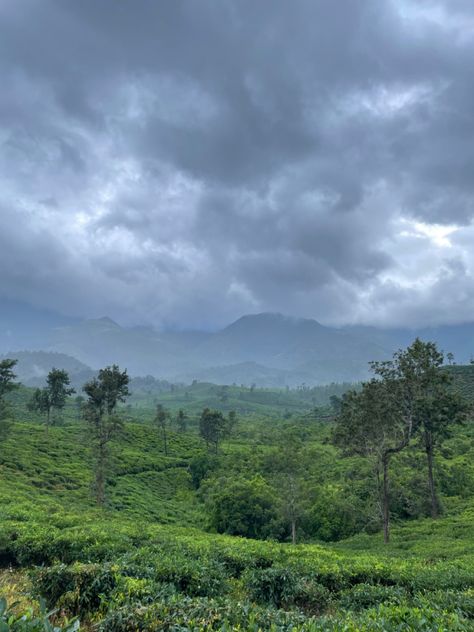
<point x="272" y="320"/>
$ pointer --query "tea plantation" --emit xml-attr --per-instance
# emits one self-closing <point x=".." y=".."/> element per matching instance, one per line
<point x="160" y="556"/>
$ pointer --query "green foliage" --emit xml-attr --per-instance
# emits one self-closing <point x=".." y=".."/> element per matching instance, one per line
<point x="53" y="396"/>
<point x="362" y="596"/>
<point x="245" y="507"/>
<point x="7" y="385"/>
<point x="181" y="420"/>
<point x="201" y="466"/>
<point x="7" y="376"/>
<point x="283" y="587"/>
<point x="31" y="621"/>
<point x="144" y="561"/>
<point x="214" y="427"/>
<point x="103" y="395"/>
<point x="78" y="589"/>
<point x="335" y="515"/>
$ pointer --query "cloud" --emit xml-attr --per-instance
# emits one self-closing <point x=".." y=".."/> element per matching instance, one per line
<point x="182" y="163"/>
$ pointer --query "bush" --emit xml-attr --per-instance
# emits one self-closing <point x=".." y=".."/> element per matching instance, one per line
<point x="272" y="586"/>
<point x="196" y="576"/>
<point x="183" y="613"/>
<point x="243" y="507"/>
<point x="285" y="588"/>
<point x="363" y="596"/>
<point x="200" y="466"/>
<point x="11" y="621"/>
<point x="77" y="589"/>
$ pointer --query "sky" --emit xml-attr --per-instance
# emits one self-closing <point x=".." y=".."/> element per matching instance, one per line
<point x="183" y="163"/>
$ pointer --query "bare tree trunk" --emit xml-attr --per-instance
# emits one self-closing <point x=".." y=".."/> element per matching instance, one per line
<point x="386" y="507"/>
<point x="100" y="475"/>
<point x="293" y="531"/>
<point x="431" y="484"/>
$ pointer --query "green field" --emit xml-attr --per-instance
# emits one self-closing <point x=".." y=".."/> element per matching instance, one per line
<point x="152" y="558"/>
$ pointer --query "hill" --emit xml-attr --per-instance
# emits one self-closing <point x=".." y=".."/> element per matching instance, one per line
<point x="266" y="349"/>
<point x="23" y="326"/>
<point x="152" y="560"/>
<point x="34" y="366"/>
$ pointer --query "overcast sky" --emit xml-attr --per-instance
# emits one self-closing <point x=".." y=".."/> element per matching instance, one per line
<point x="186" y="162"/>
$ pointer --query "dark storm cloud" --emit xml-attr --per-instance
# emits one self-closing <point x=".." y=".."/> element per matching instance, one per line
<point x="187" y="162"/>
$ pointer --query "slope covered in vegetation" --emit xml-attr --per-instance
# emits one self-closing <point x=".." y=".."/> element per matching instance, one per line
<point x="163" y="553"/>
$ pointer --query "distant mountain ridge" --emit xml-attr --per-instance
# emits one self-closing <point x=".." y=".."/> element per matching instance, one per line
<point x="34" y="366"/>
<point x="265" y="349"/>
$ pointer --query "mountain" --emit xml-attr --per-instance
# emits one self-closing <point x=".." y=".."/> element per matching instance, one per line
<point x="292" y="350"/>
<point x="265" y="349"/>
<point x="142" y="350"/>
<point x="34" y="366"/>
<point x="23" y="326"/>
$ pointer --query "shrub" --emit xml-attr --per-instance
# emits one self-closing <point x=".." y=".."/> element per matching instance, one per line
<point x="77" y="589"/>
<point x="363" y="596"/>
<point x="196" y="576"/>
<point x="243" y="507"/>
<point x="183" y="613"/>
<point x="11" y="621"/>
<point x="285" y="588"/>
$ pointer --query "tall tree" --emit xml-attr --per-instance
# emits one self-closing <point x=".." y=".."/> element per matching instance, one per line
<point x="40" y="403"/>
<point x="79" y="401"/>
<point x="289" y="468"/>
<point x="436" y="416"/>
<point x="181" y="420"/>
<point x="436" y="406"/>
<point x="231" y="422"/>
<point x="103" y="395"/>
<point x="213" y="427"/>
<point x="7" y="383"/>
<point x="53" y="396"/>
<point x="371" y="423"/>
<point x="162" y="418"/>
<point x="411" y="394"/>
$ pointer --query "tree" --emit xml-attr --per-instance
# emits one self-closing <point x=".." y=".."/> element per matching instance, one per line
<point x="161" y="420"/>
<point x="224" y="393"/>
<point x="232" y="422"/>
<point x="104" y="392"/>
<point x="53" y="396"/>
<point x="288" y="466"/>
<point x="7" y="383"/>
<point x="243" y="507"/>
<point x="436" y="417"/>
<point x="79" y="401"/>
<point x="40" y="403"/>
<point x="411" y="394"/>
<point x="181" y="420"/>
<point x="373" y="423"/>
<point x="335" y="403"/>
<point x="213" y="427"/>
<point x="436" y="406"/>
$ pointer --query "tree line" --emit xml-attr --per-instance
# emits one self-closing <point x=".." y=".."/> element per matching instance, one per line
<point x="99" y="409"/>
<point x="409" y="401"/>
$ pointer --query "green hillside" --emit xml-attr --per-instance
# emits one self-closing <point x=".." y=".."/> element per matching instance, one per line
<point x="152" y="558"/>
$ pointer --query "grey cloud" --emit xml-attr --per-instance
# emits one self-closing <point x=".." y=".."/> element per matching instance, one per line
<point x="187" y="162"/>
